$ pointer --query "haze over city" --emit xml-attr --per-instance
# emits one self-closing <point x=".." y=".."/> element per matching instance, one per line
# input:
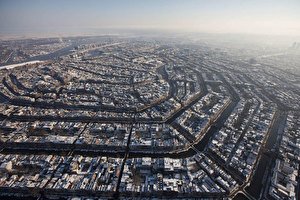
<point x="63" y="17"/>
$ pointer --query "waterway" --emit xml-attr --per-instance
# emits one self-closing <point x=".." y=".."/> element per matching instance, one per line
<point x="20" y="64"/>
<point x="258" y="181"/>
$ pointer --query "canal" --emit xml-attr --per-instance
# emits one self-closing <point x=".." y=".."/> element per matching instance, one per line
<point x="258" y="181"/>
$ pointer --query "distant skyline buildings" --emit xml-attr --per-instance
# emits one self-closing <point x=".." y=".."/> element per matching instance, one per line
<point x="76" y="17"/>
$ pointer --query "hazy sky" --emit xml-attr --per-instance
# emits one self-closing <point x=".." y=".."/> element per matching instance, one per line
<point x="221" y="16"/>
